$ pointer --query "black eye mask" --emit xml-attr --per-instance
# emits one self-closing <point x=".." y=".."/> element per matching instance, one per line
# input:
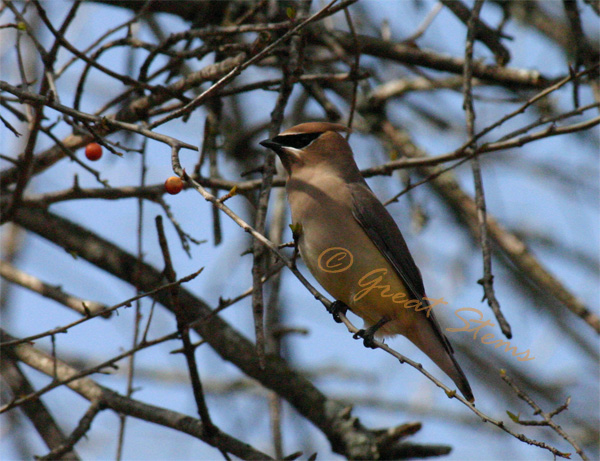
<point x="297" y="141"/>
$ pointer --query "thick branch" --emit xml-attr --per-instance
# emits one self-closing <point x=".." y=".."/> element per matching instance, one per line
<point x="345" y="433"/>
<point x="406" y="54"/>
<point x="82" y="306"/>
<point x="93" y="392"/>
<point x="483" y="32"/>
<point x="202" y="13"/>
<point x="511" y="245"/>
<point x="35" y="410"/>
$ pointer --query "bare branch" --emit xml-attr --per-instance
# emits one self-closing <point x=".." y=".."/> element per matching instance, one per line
<point x="35" y="410"/>
<point x="107" y="398"/>
<point x="547" y="417"/>
<point x="487" y="281"/>
<point x="82" y="306"/>
<point x="405" y="54"/>
<point x="482" y="31"/>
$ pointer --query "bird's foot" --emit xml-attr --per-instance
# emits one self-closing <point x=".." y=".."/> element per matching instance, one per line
<point x="368" y="337"/>
<point x="336" y="308"/>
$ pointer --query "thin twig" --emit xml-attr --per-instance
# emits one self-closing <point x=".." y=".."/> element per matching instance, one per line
<point x="35" y="410"/>
<point x="480" y="30"/>
<point x="353" y="70"/>
<point x="92" y="391"/>
<point x="509" y="243"/>
<point x="425" y="24"/>
<point x="274" y="248"/>
<point x="225" y="303"/>
<point x="452" y="394"/>
<point x="80" y="431"/>
<point x="184" y="331"/>
<point x="126" y="303"/>
<point x="290" y="69"/>
<point x="273" y="320"/>
<point x="101" y="121"/>
<point x="548" y="421"/>
<point x="76" y="377"/>
<point x="458" y="153"/>
<point x="487" y="281"/>
<point x="241" y="67"/>
<point x="137" y="318"/>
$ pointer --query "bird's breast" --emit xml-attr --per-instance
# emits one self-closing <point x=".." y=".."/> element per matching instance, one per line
<point x="339" y="253"/>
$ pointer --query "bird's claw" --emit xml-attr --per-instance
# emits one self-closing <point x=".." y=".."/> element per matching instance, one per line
<point x="368" y="338"/>
<point x="336" y="308"/>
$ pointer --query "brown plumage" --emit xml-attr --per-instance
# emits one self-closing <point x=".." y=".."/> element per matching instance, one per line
<point x="351" y="244"/>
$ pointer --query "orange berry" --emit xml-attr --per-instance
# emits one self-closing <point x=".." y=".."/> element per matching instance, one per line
<point x="93" y="151"/>
<point x="173" y="185"/>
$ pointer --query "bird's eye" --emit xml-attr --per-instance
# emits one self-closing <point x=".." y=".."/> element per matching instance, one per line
<point x="297" y="141"/>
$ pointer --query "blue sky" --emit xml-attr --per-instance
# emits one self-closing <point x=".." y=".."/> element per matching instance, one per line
<point x="521" y="191"/>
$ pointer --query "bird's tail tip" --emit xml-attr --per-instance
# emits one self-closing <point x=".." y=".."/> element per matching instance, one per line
<point x="464" y="387"/>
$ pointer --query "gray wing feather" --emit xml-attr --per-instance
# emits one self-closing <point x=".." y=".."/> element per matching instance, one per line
<point x="381" y="228"/>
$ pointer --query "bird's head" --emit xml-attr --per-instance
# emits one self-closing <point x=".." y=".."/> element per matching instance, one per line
<point x="311" y="144"/>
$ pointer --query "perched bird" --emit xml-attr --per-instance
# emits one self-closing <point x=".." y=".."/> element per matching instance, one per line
<point x="352" y="246"/>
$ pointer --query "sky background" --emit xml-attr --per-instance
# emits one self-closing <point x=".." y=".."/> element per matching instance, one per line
<point x="523" y="190"/>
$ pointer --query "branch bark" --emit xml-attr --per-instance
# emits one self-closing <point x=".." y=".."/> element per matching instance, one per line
<point x="512" y="246"/>
<point x="509" y="77"/>
<point x="90" y="390"/>
<point x="344" y="431"/>
<point x="35" y="410"/>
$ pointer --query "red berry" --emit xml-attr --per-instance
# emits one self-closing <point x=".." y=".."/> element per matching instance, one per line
<point x="93" y="151"/>
<point x="174" y="185"/>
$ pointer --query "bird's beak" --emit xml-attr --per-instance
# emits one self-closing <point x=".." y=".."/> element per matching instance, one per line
<point x="269" y="144"/>
<point x="287" y="155"/>
<point x="284" y="153"/>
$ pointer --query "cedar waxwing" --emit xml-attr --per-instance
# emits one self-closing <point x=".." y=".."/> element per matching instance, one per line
<point x="352" y="246"/>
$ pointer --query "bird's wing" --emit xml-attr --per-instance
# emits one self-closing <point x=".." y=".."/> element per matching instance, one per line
<point x="381" y="228"/>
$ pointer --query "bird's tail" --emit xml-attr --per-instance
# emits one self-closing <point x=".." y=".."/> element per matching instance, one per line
<point x="442" y="355"/>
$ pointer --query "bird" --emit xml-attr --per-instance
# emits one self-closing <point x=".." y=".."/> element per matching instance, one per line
<point x="353" y="247"/>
